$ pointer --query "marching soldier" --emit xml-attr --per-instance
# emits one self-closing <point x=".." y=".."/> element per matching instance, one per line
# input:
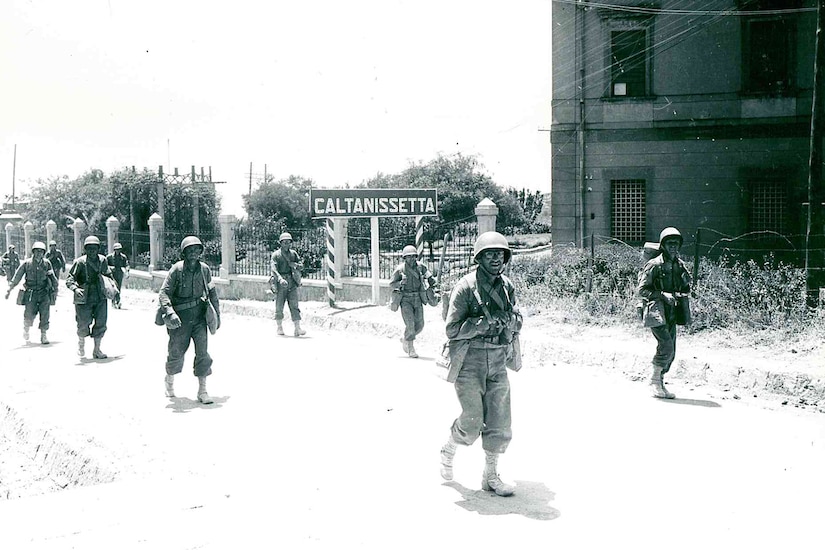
<point x="119" y="263"/>
<point x="665" y="282"/>
<point x="286" y="266"/>
<point x="186" y="296"/>
<point x="11" y="261"/>
<point x="56" y="258"/>
<point x="411" y="279"/>
<point x="90" y="303"/>
<point x="40" y="285"/>
<point x="483" y="323"/>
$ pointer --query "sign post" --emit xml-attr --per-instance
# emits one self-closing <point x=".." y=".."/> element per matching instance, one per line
<point x="373" y="204"/>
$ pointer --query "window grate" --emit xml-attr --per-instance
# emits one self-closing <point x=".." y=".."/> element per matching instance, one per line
<point x="768" y="206"/>
<point x="629" y="211"/>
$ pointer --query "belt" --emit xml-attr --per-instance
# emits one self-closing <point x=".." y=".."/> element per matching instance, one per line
<point x="488" y="339"/>
<point x="187" y="305"/>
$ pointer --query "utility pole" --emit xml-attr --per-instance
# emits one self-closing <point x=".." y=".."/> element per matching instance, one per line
<point x="815" y="233"/>
<point x="160" y="184"/>
<point x="196" y="204"/>
<point x="13" y="176"/>
<point x="250" y="179"/>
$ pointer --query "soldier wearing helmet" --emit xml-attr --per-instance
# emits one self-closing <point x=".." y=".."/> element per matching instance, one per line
<point x="664" y="285"/>
<point x="119" y="263"/>
<point x="483" y="323"/>
<point x="56" y="258"/>
<point x="285" y="278"/>
<point x="410" y="281"/>
<point x="11" y="261"/>
<point x="183" y="300"/>
<point x="39" y="290"/>
<point x="90" y="303"/>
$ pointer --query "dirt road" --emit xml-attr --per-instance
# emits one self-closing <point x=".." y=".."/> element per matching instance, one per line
<point x="331" y="441"/>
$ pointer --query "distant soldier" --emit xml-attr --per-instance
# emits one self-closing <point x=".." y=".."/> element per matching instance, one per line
<point x="664" y="282"/>
<point x="286" y="266"/>
<point x="40" y="285"/>
<point x="56" y="258"/>
<point x="11" y="261"/>
<point x="411" y="279"/>
<point x="90" y="303"/>
<point x="483" y="323"/>
<point x="184" y="298"/>
<point x="119" y="263"/>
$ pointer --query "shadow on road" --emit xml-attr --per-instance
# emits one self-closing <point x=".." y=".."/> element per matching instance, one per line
<point x="531" y="501"/>
<point x="695" y="402"/>
<point x="91" y="360"/>
<point x="184" y="404"/>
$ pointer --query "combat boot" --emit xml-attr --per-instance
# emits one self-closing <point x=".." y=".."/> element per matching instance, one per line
<point x="81" y="346"/>
<point x="657" y="389"/>
<point x="97" y="353"/>
<point x="447" y="457"/>
<point x="43" y="338"/>
<point x="280" y="325"/>
<point x="668" y="394"/>
<point x="405" y="345"/>
<point x="490" y="480"/>
<point x="26" y="334"/>
<point x="170" y="385"/>
<point x="411" y="349"/>
<point x="298" y="330"/>
<point x="203" y="397"/>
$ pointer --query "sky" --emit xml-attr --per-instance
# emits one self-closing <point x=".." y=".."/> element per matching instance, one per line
<point x="336" y="91"/>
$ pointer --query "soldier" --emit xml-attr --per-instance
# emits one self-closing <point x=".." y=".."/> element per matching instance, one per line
<point x="411" y="279"/>
<point x="286" y="268"/>
<point x="40" y="285"/>
<point x="56" y="258"/>
<point x="119" y="263"/>
<point x="11" y="261"/>
<point x="664" y="282"/>
<point x="90" y="304"/>
<point x="183" y="298"/>
<point x="482" y="324"/>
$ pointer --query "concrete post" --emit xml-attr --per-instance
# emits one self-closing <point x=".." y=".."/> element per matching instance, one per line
<point x="112" y="226"/>
<point x="155" y="241"/>
<point x="9" y="228"/>
<point x="28" y="227"/>
<point x="51" y="229"/>
<point x="486" y="213"/>
<point x="228" y="224"/>
<point x="78" y="226"/>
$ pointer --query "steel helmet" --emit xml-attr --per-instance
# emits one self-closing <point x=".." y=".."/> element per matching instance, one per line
<point x="670" y="232"/>
<point x="409" y="250"/>
<point x="117" y="246"/>
<point x="52" y="243"/>
<point x="91" y="239"/>
<point x="38" y="245"/>
<point x="285" y="237"/>
<point x="191" y="240"/>
<point x="490" y="240"/>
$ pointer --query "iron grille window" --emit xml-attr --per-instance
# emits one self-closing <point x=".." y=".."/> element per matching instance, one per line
<point x="768" y="206"/>
<point x="628" y="59"/>
<point x="629" y="210"/>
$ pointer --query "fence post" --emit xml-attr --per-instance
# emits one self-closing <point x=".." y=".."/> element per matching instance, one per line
<point x="51" y="228"/>
<point x="9" y="228"/>
<point x="332" y="262"/>
<point x="78" y="226"/>
<point x="486" y="213"/>
<point x="227" y="222"/>
<point x="155" y="236"/>
<point x="28" y="227"/>
<point x="112" y="226"/>
<point x="419" y="236"/>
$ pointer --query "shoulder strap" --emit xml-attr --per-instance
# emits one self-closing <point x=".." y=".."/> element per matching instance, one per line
<point x="474" y="286"/>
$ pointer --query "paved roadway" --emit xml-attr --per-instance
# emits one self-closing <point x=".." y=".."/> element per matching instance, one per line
<point x="331" y="441"/>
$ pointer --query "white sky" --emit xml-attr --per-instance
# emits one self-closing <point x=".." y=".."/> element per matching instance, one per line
<point x="334" y="90"/>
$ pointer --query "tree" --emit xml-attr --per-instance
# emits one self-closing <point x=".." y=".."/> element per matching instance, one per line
<point x="61" y="199"/>
<point x="283" y="202"/>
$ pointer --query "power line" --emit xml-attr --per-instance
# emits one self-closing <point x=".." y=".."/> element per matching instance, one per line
<point x="734" y="12"/>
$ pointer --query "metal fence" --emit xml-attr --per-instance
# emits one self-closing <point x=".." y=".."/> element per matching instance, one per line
<point x="136" y="247"/>
<point x="171" y="249"/>
<point x="254" y="246"/>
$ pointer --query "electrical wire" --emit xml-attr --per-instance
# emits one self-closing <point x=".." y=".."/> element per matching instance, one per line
<point x="663" y="11"/>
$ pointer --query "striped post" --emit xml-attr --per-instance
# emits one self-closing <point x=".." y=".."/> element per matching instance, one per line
<point x="419" y="235"/>
<point x="331" y="262"/>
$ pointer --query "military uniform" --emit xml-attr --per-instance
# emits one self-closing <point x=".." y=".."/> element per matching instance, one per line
<point x="57" y="260"/>
<point x="412" y="283"/>
<point x="92" y="306"/>
<point x="184" y="292"/>
<point x="119" y="263"/>
<point x="39" y="283"/>
<point x="11" y="261"/>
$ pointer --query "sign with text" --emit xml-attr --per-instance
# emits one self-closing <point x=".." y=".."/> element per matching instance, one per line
<point x="360" y="203"/>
